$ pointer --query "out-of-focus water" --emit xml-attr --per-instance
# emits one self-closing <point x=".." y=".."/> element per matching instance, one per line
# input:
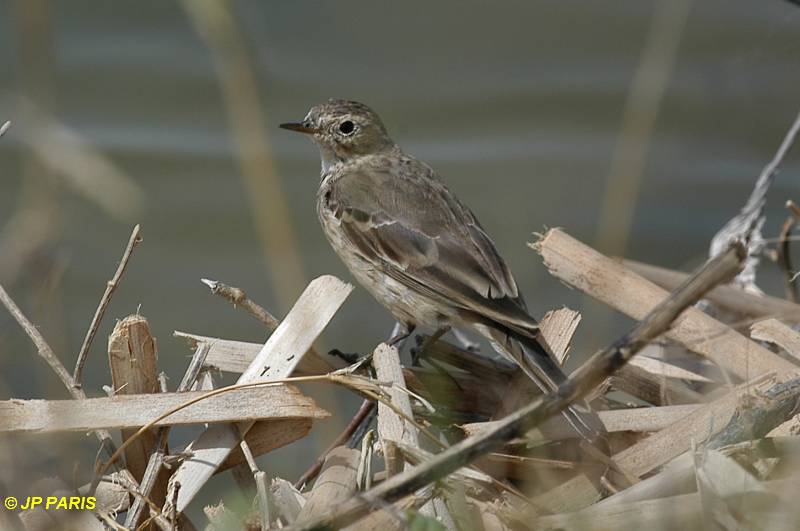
<point x="518" y="106"/>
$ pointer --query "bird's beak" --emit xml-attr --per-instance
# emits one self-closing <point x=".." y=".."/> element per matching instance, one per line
<point x="300" y="127"/>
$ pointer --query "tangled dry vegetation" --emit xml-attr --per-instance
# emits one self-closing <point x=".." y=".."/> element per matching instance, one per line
<point x="698" y="401"/>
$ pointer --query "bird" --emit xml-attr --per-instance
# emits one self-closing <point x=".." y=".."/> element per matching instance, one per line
<point x="410" y="242"/>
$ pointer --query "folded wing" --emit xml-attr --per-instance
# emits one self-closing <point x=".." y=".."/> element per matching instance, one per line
<point x="418" y="233"/>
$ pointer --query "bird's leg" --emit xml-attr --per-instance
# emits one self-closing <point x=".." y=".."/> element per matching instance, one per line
<point x="430" y="340"/>
<point x="400" y="333"/>
<point x="465" y="342"/>
<point x="396" y="330"/>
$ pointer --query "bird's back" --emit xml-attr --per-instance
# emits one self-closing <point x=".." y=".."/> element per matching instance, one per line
<point x="396" y="212"/>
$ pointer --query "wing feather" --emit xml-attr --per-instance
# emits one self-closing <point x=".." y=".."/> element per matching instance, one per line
<point x="406" y="222"/>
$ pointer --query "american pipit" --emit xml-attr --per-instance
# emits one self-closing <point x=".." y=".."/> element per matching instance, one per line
<point x="420" y="252"/>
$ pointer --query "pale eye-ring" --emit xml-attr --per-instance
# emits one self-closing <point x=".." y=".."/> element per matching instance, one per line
<point x="347" y="127"/>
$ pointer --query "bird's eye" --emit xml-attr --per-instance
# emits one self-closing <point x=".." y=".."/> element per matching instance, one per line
<point x="347" y="127"/>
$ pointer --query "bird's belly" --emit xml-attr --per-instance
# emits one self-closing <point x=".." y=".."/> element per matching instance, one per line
<point x="406" y="305"/>
<point x="403" y="303"/>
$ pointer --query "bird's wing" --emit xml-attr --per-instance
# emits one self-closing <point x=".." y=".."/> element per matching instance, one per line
<point x="405" y="221"/>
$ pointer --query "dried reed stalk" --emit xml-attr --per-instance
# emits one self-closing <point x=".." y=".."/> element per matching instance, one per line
<point x="580" y="383"/>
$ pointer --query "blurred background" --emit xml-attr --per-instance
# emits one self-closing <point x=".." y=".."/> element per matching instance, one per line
<point x="638" y="126"/>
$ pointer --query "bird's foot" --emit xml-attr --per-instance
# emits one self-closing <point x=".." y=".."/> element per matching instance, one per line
<point x="424" y="344"/>
<point x="349" y="357"/>
<point x="465" y="342"/>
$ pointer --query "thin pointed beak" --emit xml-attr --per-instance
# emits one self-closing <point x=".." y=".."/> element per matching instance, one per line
<point x="300" y="127"/>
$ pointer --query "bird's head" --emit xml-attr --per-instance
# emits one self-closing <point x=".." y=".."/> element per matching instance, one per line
<point x="343" y="130"/>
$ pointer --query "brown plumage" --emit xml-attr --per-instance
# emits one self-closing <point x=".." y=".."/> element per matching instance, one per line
<point x="409" y="241"/>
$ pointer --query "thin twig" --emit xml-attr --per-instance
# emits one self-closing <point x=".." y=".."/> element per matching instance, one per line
<point x="41" y="345"/>
<point x="364" y="474"/>
<point x="746" y="225"/>
<point x="239" y="299"/>
<point x="784" y="257"/>
<point x="363" y="412"/>
<point x="195" y="366"/>
<point x="132" y="487"/>
<point x="727" y="297"/>
<point x="43" y="348"/>
<point x="612" y="283"/>
<point x="111" y="286"/>
<point x="759" y="415"/>
<point x="173" y="517"/>
<point x="264" y="497"/>
<point x="772" y="168"/>
<point x="793" y="208"/>
<point x="580" y="383"/>
<point x="362" y="429"/>
<point x="260" y="480"/>
<point x="784" y="253"/>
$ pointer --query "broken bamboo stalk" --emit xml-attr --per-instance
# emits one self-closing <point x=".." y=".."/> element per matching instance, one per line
<point x="754" y="417"/>
<point x="610" y="282"/>
<point x="288" y="501"/>
<point x="235" y="356"/>
<point x="155" y="477"/>
<point x="361" y="415"/>
<point x="640" y="419"/>
<point x="652" y="387"/>
<point x="313" y="362"/>
<point x="336" y="483"/>
<point x="728" y="297"/>
<point x="666" y="370"/>
<point x="394" y="430"/>
<point x="266" y="436"/>
<point x="683" y="511"/>
<point x="128" y="412"/>
<point x="654" y="451"/>
<point x="278" y="358"/>
<point x="391" y="427"/>
<point x="579" y="384"/>
<point x="557" y="328"/>
<point x="43" y="349"/>
<point x="779" y="333"/>
<point x="132" y="358"/>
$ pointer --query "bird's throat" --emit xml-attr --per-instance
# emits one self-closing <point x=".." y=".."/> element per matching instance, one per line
<point x="328" y="158"/>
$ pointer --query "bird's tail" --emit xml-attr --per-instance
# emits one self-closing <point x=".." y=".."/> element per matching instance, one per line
<point x="538" y="364"/>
